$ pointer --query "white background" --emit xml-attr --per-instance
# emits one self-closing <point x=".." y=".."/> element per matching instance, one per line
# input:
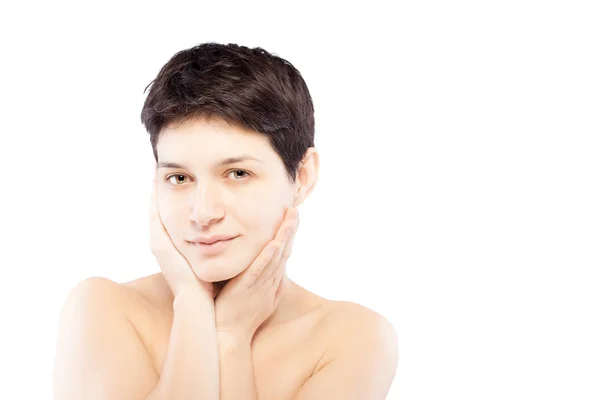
<point x="458" y="194"/>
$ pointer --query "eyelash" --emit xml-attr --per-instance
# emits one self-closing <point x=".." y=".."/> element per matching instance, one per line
<point x="228" y="172"/>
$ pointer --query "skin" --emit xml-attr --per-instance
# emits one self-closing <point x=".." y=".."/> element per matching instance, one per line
<point x="204" y="199"/>
<point x="247" y="199"/>
<point x="315" y="347"/>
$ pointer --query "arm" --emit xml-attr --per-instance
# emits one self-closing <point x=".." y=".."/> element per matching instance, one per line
<point x="244" y="304"/>
<point x="360" y="366"/>
<point x="191" y="368"/>
<point x="101" y="357"/>
<point x="237" y="371"/>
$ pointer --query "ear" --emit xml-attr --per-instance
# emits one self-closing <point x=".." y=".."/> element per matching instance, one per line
<point x="307" y="176"/>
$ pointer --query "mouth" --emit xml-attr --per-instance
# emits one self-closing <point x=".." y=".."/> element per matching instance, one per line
<point x="212" y="248"/>
<point x="212" y="243"/>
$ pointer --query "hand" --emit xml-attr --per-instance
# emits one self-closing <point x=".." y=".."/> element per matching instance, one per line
<point x="248" y="299"/>
<point x="175" y="268"/>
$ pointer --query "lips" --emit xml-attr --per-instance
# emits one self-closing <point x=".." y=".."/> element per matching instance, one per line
<point x="214" y="241"/>
<point x="213" y="248"/>
<point x="211" y="239"/>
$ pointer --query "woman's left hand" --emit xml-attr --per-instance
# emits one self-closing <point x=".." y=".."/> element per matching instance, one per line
<point x="248" y="299"/>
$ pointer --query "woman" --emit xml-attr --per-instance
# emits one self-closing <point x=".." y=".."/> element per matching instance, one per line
<point x="232" y="132"/>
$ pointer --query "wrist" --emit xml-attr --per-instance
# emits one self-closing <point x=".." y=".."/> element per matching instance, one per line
<point x="187" y="287"/>
<point x="196" y="295"/>
<point x="232" y="339"/>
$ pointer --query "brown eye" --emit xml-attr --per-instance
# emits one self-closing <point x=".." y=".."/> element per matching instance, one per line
<point x="237" y="176"/>
<point x="178" y="176"/>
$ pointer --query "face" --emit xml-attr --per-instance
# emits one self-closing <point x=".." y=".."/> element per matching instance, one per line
<point x="204" y="197"/>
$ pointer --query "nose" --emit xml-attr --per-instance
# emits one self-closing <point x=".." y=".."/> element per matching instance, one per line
<point x="206" y="208"/>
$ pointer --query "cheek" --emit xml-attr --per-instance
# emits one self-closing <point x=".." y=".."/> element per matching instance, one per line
<point x="166" y="209"/>
<point x="172" y="223"/>
<point x="263" y="224"/>
<point x="266" y="211"/>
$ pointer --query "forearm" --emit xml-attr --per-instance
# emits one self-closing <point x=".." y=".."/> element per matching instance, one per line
<point x="237" y="371"/>
<point x="191" y="367"/>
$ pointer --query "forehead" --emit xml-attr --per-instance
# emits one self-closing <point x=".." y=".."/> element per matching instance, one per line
<point x="209" y="139"/>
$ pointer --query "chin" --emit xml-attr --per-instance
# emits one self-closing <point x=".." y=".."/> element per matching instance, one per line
<point x="215" y="274"/>
<point x="220" y="268"/>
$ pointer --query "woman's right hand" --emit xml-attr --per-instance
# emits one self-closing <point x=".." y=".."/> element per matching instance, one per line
<point x="175" y="268"/>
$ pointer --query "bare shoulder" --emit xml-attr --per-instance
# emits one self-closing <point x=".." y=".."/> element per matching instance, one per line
<point x="98" y="290"/>
<point x="98" y="345"/>
<point x="141" y="301"/>
<point x="352" y="327"/>
<point x="360" y="359"/>
<point x="346" y="314"/>
<point x="128" y="296"/>
<point x="125" y="299"/>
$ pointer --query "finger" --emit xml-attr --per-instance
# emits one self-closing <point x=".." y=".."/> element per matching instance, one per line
<point x="152" y="205"/>
<point x="270" y="251"/>
<point x="155" y="221"/>
<point x="287" y="251"/>
<point x="279" y="260"/>
<point x="283" y="237"/>
<point x="159" y="237"/>
<point x="153" y="197"/>
<point x="252" y="274"/>
<point x="155" y="203"/>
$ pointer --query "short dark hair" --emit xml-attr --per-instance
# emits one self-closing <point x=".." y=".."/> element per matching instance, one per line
<point x="245" y="86"/>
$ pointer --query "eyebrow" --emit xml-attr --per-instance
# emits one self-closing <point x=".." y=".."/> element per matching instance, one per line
<point x="221" y="162"/>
